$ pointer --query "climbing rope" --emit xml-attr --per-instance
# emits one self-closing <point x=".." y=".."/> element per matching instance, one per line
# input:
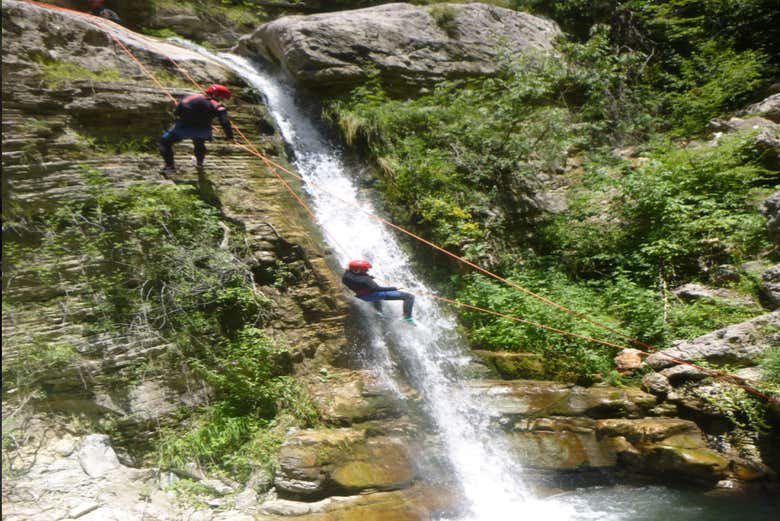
<point x="273" y="166"/>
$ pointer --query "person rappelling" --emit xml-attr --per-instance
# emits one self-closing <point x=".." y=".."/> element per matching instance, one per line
<point x="98" y="9"/>
<point x="194" y="115"/>
<point x="357" y="279"/>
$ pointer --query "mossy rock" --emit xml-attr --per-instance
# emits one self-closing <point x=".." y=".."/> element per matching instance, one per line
<point x="316" y="463"/>
<point x="511" y="366"/>
<point x="698" y="462"/>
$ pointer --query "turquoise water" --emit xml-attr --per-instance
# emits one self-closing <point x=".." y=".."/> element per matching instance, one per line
<point x="655" y="503"/>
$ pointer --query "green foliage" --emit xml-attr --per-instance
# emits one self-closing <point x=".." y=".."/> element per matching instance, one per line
<point x="162" y="33"/>
<point x="456" y="164"/>
<point x="218" y="440"/>
<point x="28" y="362"/>
<point x="713" y="79"/>
<point x="565" y="358"/>
<point x="446" y="18"/>
<point x="247" y="372"/>
<point x="150" y="258"/>
<point x="744" y="411"/>
<point x="685" y="208"/>
<point x="771" y="365"/>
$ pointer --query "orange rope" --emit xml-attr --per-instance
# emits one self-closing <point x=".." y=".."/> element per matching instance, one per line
<point x="734" y="379"/>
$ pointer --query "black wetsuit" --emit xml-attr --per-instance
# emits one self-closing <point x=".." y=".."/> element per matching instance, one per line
<point x="195" y="113"/>
<point x="366" y="289"/>
<point x="108" y="14"/>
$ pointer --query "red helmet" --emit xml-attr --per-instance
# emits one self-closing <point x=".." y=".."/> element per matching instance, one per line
<point x="359" y="265"/>
<point x="218" y="91"/>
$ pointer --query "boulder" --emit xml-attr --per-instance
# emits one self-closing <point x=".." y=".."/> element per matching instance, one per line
<point x="771" y="209"/>
<point x="740" y="344"/>
<point x="628" y="360"/>
<point x="770" y="286"/>
<point x="724" y="274"/>
<point x="675" y="458"/>
<point x="646" y="431"/>
<point x="768" y="108"/>
<point x="656" y="383"/>
<point x="680" y="374"/>
<point x="96" y="456"/>
<point x="522" y="398"/>
<point x="666" y="446"/>
<point x="737" y="124"/>
<point x="511" y="365"/>
<point x="560" y="444"/>
<point x="409" y="46"/>
<point x="313" y="463"/>
<point x="693" y="292"/>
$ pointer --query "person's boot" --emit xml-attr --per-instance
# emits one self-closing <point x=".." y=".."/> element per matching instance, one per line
<point x="168" y="169"/>
<point x="410" y="320"/>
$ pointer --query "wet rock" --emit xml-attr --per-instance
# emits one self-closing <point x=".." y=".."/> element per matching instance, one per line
<point x="665" y="446"/>
<point x="770" y="286"/>
<point x="413" y="504"/>
<point x="512" y="365"/>
<point x="740" y="344"/>
<point x="698" y="462"/>
<point x="404" y="43"/>
<point x="315" y="462"/>
<point x="646" y="431"/>
<point x="519" y="398"/>
<point x="628" y="360"/>
<point x="344" y="397"/>
<point x="560" y="444"/>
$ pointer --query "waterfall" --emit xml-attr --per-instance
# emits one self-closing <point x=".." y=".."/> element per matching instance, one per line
<point x="434" y="356"/>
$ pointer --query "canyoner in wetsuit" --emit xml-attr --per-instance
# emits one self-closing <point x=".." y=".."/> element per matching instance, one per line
<point x="195" y="113"/>
<point x="357" y="279"/>
<point x="97" y="9"/>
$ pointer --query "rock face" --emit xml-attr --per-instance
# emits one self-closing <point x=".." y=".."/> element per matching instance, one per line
<point x="768" y="108"/>
<point x="521" y="398"/>
<point x="771" y="210"/>
<point x="741" y="344"/>
<point x="409" y="46"/>
<point x="770" y="285"/>
<point x="344" y="397"/>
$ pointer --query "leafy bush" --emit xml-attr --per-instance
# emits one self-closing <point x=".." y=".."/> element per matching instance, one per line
<point x="150" y="257"/>
<point x="712" y="80"/>
<point x="217" y="440"/>
<point x="685" y="209"/>
<point x="566" y="358"/>
<point x="771" y="365"/>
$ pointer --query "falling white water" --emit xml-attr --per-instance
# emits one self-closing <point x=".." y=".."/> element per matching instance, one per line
<point x="433" y="354"/>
